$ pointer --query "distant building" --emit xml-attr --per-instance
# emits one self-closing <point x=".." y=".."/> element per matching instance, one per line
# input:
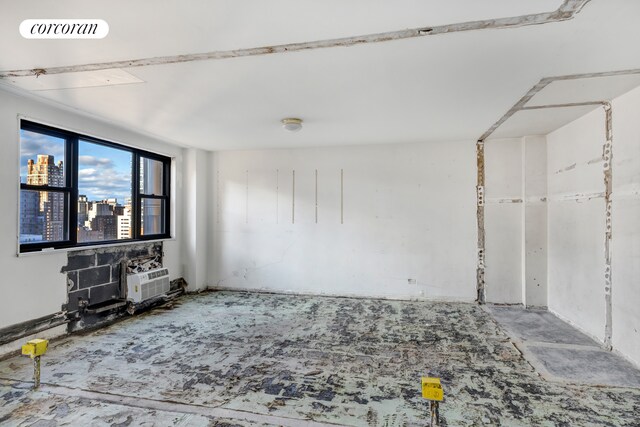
<point x="107" y="224"/>
<point x="87" y="235"/>
<point x="44" y="216"/>
<point x="31" y="221"/>
<point x="83" y="209"/>
<point x="124" y="221"/>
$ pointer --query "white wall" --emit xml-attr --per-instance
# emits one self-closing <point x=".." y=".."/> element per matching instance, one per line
<point x="195" y="211"/>
<point x="32" y="284"/>
<point x="409" y="215"/>
<point x="535" y="221"/>
<point x="626" y="225"/>
<point x="577" y="224"/>
<point x="515" y="221"/>
<point x="503" y="215"/>
<point x="576" y="216"/>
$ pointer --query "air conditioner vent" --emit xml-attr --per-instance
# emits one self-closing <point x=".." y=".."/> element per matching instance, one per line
<point x="150" y="284"/>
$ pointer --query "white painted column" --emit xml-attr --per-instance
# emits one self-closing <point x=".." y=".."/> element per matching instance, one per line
<point x="503" y="220"/>
<point x="534" y="154"/>
<point x="195" y="212"/>
<point x="516" y="221"/>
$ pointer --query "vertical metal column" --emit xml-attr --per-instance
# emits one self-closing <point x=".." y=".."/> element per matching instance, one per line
<point x="434" y="410"/>
<point x="607" y="156"/>
<point x="480" y="218"/>
<point x="36" y="372"/>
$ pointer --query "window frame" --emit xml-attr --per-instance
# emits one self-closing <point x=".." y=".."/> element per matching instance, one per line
<point x="71" y="190"/>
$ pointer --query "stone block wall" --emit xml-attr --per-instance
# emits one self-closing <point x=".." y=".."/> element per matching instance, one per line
<point x="93" y="275"/>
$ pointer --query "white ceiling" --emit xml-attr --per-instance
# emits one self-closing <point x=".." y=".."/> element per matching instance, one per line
<point x="539" y="122"/>
<point x="584" y="90"/>
<point x="552" y="101"/>
<point x="444" y="87"/>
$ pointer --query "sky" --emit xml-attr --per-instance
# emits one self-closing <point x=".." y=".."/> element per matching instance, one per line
<point x="103" y="172"/>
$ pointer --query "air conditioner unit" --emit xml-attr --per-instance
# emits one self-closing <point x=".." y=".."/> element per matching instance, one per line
<point x="142" y="286"/>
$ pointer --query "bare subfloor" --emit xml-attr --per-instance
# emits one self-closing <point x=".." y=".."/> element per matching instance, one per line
<point x="258" y="359"/>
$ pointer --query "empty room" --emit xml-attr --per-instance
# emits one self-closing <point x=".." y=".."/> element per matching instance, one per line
<point x="320" y="213"/>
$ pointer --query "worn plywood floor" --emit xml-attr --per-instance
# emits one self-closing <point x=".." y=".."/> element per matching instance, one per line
<point x="559" y="352"/>
<point x="229" y="358"/>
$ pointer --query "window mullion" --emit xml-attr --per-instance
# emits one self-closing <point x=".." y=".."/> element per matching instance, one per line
<point x="72" y="181"/>
<point x="135" y="196"/>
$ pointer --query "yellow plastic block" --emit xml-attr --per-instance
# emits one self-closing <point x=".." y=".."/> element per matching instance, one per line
<point x="35" y="348"/>
<point x="431" y="388"/>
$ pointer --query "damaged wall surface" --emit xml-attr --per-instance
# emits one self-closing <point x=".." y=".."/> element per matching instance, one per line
<point x="578" y="270"/>
<point x="577" y="223"/>
<point x="93" y="275"/>
<point x="394" y="221"/>
<point x="625" y="262"/>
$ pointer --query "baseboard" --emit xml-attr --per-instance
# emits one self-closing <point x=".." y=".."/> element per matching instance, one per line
<point x="343" y="295"/>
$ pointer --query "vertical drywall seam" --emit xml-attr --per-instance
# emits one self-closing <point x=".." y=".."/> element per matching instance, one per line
<point x="246" y="214"/>
<point x="480" y="217"/>
<point x="217" y="193"/>
<point x="607" y="156"/>
<point x="341" y="196"/>
<point x="523" y="219"/>
<point x="293" y="197"/>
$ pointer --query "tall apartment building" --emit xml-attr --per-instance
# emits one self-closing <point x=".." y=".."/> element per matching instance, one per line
<point x="107" y="224"/>
<point x="83" y="209"/>
<point x="50" y="204"/>
<point x="96" y="209"/>
<point x="124" y="221"/>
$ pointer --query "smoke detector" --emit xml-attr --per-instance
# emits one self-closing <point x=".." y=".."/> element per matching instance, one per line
<point x="292" y="124"/>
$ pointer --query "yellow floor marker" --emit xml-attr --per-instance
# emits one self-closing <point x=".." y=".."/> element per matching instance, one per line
<point x="35" y="349"/>
<point x="432" y="391"/>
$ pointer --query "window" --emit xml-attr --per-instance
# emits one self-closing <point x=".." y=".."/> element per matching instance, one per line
<point x="78" y="191"/>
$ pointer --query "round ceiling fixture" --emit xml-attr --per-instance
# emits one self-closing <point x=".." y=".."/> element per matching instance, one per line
<point x="292" y="124"/>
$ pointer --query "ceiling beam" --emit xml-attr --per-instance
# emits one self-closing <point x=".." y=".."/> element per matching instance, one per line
<point x="567" y="10"/>
<point x="521" y="104"/>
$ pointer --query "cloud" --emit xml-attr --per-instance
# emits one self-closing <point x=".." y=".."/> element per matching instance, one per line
<point x="104" y="183"/>
<point x="103" y="172"/>
<point x="95" y="161"/>
<point x="32" y="144"/>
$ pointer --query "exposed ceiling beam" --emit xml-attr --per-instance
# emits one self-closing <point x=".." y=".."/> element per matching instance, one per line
<point x="567" y="10"/>
<point x="521" y="104"/>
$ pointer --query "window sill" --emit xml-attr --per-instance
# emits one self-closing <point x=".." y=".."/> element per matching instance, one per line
<point x="86" y="248"/>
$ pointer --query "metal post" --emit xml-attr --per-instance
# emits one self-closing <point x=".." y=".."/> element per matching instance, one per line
<point x="435" y="413"/>
<point x="36" y="372"/>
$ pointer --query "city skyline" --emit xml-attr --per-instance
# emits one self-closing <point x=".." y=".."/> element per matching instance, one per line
<point x="103" y="172"/>
<point x="104" y="187"/>
<point x="42" y="213"/>
<point x="104" y="184"/>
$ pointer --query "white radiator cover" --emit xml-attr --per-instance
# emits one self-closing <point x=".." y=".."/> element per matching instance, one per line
<point x="142" y="286"/>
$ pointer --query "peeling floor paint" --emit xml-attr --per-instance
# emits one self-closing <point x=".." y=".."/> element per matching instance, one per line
<point x="331" y="360"/>
<point x="22" y="407"/>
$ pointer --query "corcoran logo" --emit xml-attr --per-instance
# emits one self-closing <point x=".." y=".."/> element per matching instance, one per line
<point x="64" y="29"/>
